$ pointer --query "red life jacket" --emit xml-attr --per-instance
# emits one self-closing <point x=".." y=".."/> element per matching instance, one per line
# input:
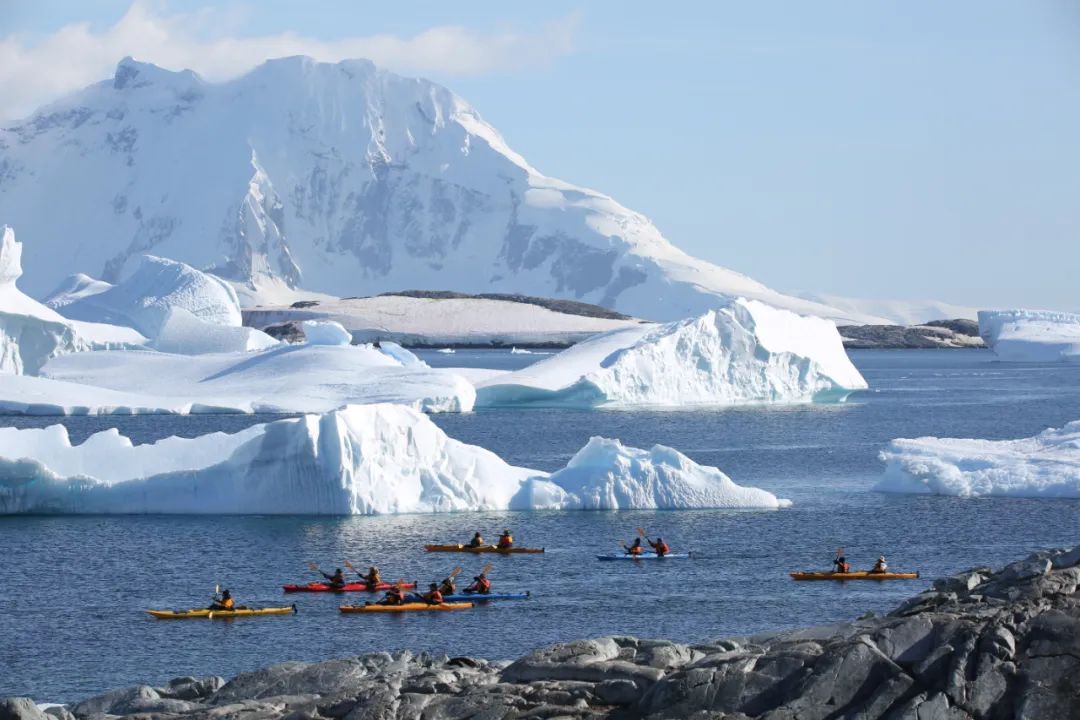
<point x="663" y="549"/>
<point x="636" y="550"/>
<point x="434" y="597"/>
<point x="483" y="585"/>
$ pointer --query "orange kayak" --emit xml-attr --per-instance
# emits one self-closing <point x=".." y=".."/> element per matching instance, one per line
<point x="407" y="607"/>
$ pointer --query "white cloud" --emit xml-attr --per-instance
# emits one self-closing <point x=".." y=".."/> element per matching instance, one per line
<point x="34" y="71"/>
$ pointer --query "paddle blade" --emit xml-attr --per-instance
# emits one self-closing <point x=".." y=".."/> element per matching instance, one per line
<point x="313" y="566"/>
<point x="456" y="571"/>
<point x="217" y="589"/>
<point x="641" y="532"/>
<point x="487" y="569"/>
<point x="350" y="566"/>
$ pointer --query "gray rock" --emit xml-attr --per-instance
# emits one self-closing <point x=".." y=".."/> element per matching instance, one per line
<point x="618" y="692"/>
<point x="20" y="708"/>
<point x="116" y="702"/>
<point x="59" y="712"/>
<point x="191" y="688"/>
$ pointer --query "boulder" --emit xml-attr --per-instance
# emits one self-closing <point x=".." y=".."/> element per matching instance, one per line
<point x="20" y="708"/>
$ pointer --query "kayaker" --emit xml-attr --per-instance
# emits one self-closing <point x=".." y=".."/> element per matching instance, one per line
<point x="840" y="563"/>
<point x="393" y="596"/>
<point x="481" y="585"/>
<point x="337" y="579"/>
<point x="433" y="596"/>
<point x="636" y="548"/>
<point x="373" y="577"/>
<point x="506" y="540"/>
<point x="660" y="547"/>
<point x="447" y="586"/>
<point x="880" y="566"/>
<point x="477" y="541"/>
<point x="225" y="602"/>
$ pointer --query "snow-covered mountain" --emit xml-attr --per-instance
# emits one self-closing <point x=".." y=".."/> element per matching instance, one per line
<point x="337" y="178"/>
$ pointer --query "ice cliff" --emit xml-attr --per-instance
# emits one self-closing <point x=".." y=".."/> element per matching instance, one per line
<point x="1031" y="335"/>
<point x="744" y="351"/>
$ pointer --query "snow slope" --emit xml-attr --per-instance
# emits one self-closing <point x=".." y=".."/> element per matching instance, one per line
<point x="742" y="352"/>
<point x="895" y="312"/>
<point x="1047" y="465"/>
<point x="281" y="379"/>
<point x="183" y="333"/>
<point x="338" y="178"/>
<point x="359" y="460"/>
<point x="441" y="322"/>
<point x="1031" y="335"/>
<point x="31" y="333"/>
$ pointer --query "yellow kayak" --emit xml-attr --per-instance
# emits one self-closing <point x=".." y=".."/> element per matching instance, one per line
<point x="219" y="614"/>
<point x="407" y="607"/>
<point x="861" y="575"/>
<point x="483" y="549"/>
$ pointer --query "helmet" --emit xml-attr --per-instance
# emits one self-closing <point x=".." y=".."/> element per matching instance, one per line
<point x="225" y="593"/>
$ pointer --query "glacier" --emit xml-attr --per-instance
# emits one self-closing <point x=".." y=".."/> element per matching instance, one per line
<point x="1031" y="335"/>
<point x="343" y="179"/>
<point x="368" y="459"/>
<point x="744" y="351"/>
<point x="32" y="333"/>
<point x="1044" y="466"/>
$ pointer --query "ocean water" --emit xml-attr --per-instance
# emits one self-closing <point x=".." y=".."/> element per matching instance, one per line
<point x="71" y="621"/>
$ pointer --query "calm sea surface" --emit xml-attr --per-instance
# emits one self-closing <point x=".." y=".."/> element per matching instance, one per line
<point x="74" y="588"/>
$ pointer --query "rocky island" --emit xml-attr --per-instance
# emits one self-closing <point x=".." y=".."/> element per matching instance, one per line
<point x="980" y="644"/>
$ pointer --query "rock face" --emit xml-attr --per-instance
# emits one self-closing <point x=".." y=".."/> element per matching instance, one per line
<point x="959" y="333"/>
<point x="978" y="645"/>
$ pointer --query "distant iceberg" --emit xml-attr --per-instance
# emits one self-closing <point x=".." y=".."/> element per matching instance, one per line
<point x="743" y="352"/>
<point x="1047" y="465"/>
<point x="370" y="459"/>
<point x="1031" y="335"/>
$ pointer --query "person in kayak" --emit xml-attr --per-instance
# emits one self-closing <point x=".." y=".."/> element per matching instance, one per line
<point x="880" y="566"/>
<point x="433" y="596"/>
<point x="447" y="586"/>
<point x="336" y="580"/>
<point x="636" y="548"/>
<point x="481" y="585"/>
<point x="393" y="596"/>
<point x="225" y="602"/>
<point x="506" y="540"/>
<point x="477" y="541"/>
<point x="660" y="547"/>
<point x="373" y="577"/>
<point x="840" y="563"/>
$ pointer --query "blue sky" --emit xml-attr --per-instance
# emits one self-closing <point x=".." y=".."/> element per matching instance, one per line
<point x="871" y="149"/>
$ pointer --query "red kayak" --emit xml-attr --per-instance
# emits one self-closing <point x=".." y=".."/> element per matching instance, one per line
<point x="347" y="587"/>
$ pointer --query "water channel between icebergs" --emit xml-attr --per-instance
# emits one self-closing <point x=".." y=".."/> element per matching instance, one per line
<point x="102" y="571"/>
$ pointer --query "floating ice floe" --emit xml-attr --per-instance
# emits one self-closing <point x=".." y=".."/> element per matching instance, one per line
<point x="1031" y="335"/>
<point x="280" y="379"/>
<point x="31" y="333"/>
<point x="368" y="459"/>
<point x="743" y="352"/>
<point x="1047" y="465"/>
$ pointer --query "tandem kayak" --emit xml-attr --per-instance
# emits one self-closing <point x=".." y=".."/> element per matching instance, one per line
<point x="347" y="587"/>
<point x="483" y="549"/>
<point x="862" y="575"/>
<point x="220" y="614"/>
<point x="647" y="556"/>
<point x="479" y="597"/>
<point x="407" y="607"/>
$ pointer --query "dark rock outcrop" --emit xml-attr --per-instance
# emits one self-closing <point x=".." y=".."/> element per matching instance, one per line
<point x="959" y="333"/>
<point x="979" y="645"/>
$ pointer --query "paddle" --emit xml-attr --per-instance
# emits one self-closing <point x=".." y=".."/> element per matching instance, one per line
<point x="353" y="568"/>
<point x="316" y="568"/>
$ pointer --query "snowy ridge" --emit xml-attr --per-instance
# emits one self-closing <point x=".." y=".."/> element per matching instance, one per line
<point x="895" y="312"/>
<point x="339" y="178"/>
<point x="742" y="352"/>
<point x="1031" y="335"/>
<point x="370" y="459"/>
<point x="1046" y="465"/>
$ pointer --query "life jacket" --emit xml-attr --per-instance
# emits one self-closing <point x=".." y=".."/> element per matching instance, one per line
<point x="662" y="548"/>
<point x="483" y="585"/>
<point x="434" y="597"/>
<point x="476" y="542"/>
<point x="227" y="603"/>
<point x="506" y="541"/>
<point x="373" y="578"/>
<point x="636" y="550"/>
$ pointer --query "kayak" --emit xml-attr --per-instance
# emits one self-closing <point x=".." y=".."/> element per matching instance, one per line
<point x="347" y="587"/>
<point x="483" y="549"/>
<point x="861" y="575"/>
<point x="220" y="614"/>
<point x="478" y="597"/>
<point x="647" y="556"/>
<point x="407" y="607"/>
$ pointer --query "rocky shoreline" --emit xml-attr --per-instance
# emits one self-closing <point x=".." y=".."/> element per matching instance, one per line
<point x="957" y="334"/>
<point x="979" y="644"/>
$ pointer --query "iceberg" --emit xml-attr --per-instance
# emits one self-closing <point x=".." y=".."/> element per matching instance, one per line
<point x="280" y="379"/>
<point x="32" y="333"/>
<point x="183" y="333"/>
<point x="1044" y="466"/>
<point x="144" y="298"/>
<point x="742" y="352"/>
<point x="606" y="475"/>
<point x="1031" y="335"/>
<point x="326" y="332"/>
<point x="75" y="287"/>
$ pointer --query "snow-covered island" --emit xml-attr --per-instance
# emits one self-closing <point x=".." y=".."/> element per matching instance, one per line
<point x="369" y="459"/>
<point x="1031" y="335"/>
<point x="1046" y="465"/>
